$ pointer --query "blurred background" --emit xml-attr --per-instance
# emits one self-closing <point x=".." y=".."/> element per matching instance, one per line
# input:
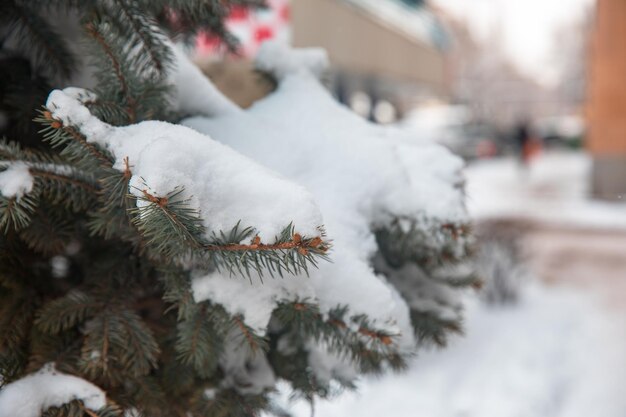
<point x="532" y="94"/>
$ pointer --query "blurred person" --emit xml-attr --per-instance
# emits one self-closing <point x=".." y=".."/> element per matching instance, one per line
<point x="526" y="145"/>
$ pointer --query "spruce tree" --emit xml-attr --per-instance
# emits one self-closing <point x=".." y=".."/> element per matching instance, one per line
<point x="123" y="292"/>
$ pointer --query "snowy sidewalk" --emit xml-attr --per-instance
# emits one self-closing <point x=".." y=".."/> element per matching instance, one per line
<point x="554" y="189"/>
<point x="552" y="355"/>
<point x="569" y="238"/>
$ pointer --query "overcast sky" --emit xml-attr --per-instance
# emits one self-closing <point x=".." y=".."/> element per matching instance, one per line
<point x="527" y="27"/>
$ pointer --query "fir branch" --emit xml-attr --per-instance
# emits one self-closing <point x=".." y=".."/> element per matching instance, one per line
<point x="177" y="291"/>
<point x="106" y="110"/>
<point x="56" y="181"/>
<point x="117" y="343"/>
<point x="307" y="314"/>
<point x="63" y="313"/>
<point x="169" y="226"/>
<point x="16" y="315"/>
<point x="60" y="135"/>
<point x="48" y="232"/>
<point x="254" y="342"/>
<point x="290" y="252"/>
<point x="96" y="30"/>
<point x="355" y="338"/>
<point x="426" y="242"/>
<point x="198" y="341"/>
<point x="33" y="33"/>
<point x="76" y="408"/>
<point x="142" y="351"/>
<point x="50" y="175"/>
<point x="16" y="213"/>
<point x="111" y="219"/>
<point x="139" y="29"/>
<point x="430" y="328"/>
<point x="146" y="395"/>
<point x="174" y="230"/>
<point x="95" y="358"/>
<point x="228" y="403"/>
<point x="125" y="71"/>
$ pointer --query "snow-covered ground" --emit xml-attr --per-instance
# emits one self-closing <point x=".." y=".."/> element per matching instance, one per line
<point x="559" y="352"/>
<point x="554" y="188"/>
<point x="552" y="355"/>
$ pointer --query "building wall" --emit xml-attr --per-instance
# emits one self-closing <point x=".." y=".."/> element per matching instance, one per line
<point x="607" y="100"/>
<point x="360" y="43"/>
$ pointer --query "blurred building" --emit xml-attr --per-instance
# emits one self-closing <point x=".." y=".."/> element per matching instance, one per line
<point x="607" y="100"/>
<point x="386" y="54"/>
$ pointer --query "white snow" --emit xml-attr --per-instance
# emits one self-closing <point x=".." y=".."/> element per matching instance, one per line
<point x="193" y="92"/>
<point x="254" y="299"/>
<point x="278" y="59"/>
<point x="60" y="266"/>
<point x="35" y="393"/>
<point x="225" y="186"/>
<point x="554" y="189"/>
<point x="16" y="180"/>
<point x="554" y="355"/>
<point x="245" y="369"/>
<point x="327" y="365"/>
<point x="361" y="175"/>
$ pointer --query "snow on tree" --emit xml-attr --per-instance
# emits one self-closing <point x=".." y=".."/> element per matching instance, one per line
<point x="164" y="252"/>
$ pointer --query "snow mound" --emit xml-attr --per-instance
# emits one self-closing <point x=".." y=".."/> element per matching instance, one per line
<point x="277" y="58"/>
<point x="16" y="180"/>
<point x="35" y="393"/>
<point x="362" y="176"/>
<point x="223" y="185"/>
<point x="557" y="353"/>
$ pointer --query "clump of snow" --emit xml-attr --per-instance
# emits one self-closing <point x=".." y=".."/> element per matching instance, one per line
<point x="245" y="369"/>
<point x="223" y="185"/>
<point x="35" y="393"/>
<point x="255" y="299"/>
<point x="361" y="175"/>
<point x="423" y="293"/>
<point x="210" y="393"/>
<point x="60" y="266"/>
<point x="277" y="58"/>
<point x="16" y="180"/>
<point x="328" y="365"/>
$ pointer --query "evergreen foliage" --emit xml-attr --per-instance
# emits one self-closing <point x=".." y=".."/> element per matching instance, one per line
<point x="101" y="285"/>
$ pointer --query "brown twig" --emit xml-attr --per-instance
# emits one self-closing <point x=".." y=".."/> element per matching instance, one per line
<point x="127" y="171"/>
<point x="159" y="201"/>
<point x="246" y="333"/>
<point x="57" y="124"/>
<point x="303" y="245"/>
<point x="384" y="338"/>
